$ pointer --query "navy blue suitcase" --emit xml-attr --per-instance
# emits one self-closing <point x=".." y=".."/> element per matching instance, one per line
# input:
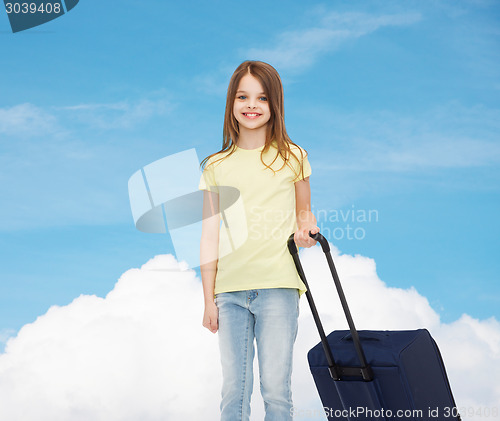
<point x="376" y="375"/>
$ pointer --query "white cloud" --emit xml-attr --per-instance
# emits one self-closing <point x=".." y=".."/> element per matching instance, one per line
<point x="215" y="82"/>
<point x="447" y="136"/>
<point x="141" y="353"/>
<point x="138" y="354"/>
<point x="5" y="335"/>
<point x="118" y="115"/>
<point x="52" y="156"/>
<point x="295" y="50"/>
<point x="27" y="120"/>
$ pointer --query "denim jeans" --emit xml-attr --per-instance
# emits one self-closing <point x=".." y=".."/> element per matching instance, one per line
<point x="270" y="316"/>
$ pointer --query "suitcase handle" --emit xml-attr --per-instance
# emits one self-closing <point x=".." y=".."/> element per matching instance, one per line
<point x="335" y="370"/>
<point x="366" y="336"/>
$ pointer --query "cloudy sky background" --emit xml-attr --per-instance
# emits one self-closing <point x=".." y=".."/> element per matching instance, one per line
<point x="396" y="103"/>
<point x="127" y="357"/>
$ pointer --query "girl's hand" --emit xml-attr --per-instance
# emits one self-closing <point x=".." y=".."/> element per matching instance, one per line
<point x="211" y="317"/>
<point x="302" y="238"/>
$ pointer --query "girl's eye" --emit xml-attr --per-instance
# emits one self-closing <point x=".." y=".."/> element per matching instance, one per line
<point x="263" y="98"/>
<point x="242" y="97"/>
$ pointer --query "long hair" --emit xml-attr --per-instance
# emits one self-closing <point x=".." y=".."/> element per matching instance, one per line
<point x="276" y="131"/>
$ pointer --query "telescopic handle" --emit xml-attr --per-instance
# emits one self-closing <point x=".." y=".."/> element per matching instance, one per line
<point x="335" y="370"/>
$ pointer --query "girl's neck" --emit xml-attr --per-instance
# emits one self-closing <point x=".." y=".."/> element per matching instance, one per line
<point x="251" y="139"/>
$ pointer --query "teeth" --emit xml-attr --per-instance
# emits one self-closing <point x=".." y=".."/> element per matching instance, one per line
<point x="251" y="114"/>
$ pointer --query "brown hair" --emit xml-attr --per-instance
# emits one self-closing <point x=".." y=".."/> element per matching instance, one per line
<point x="271" y="83"/>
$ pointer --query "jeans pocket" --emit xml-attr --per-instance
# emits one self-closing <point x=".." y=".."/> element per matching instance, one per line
<point x="218" y="298"/>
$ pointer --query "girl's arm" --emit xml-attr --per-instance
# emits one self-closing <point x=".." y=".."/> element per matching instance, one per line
<point x="305" y="219"/>
<point x="209" y="246"/>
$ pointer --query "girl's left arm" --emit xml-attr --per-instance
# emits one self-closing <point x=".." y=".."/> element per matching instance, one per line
<point x="305" y="219"/>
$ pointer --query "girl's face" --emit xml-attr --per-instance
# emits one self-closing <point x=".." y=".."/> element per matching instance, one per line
<point x="251" y="107"/>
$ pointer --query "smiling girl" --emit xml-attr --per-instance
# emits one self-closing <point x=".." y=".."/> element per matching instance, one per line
<point x="252" y="291"/>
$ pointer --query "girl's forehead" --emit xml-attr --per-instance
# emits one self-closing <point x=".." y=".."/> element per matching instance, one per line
<point x="250" y="83"/>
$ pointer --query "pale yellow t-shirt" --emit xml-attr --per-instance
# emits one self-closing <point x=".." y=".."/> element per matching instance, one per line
<point x="257" y="212"/>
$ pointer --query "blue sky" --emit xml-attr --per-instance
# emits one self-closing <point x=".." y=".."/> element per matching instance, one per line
<point x="396" y="103"/>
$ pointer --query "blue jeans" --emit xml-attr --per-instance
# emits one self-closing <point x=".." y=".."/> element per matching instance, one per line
<point x="270" y="316"/>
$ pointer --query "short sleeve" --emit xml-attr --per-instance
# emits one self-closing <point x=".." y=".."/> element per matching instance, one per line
<point x="207" y="179"/>
<point x="306" y="166"/>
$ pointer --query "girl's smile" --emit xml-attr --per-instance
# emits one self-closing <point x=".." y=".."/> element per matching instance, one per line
<point x="252" y="115"/>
